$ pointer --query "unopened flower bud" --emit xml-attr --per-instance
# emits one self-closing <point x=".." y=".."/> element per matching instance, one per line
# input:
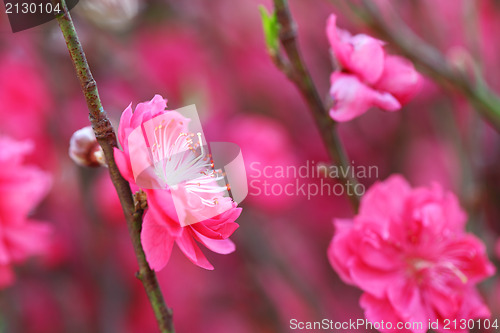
<point x="84" y="149"/>
<point x="116" y="15"/>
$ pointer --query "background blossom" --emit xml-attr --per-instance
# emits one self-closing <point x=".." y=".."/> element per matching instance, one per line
<point x="407" y="249"/>
<point x="22" y="187"/>
<point x="367" y="75"/>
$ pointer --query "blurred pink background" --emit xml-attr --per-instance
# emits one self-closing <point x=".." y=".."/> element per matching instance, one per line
<point x="212" y="54"/>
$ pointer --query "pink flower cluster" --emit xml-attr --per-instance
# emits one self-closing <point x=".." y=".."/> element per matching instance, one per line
<point x="200" y="200"/>
<point x="22" y="187"/>
<point x="408" y="251"/>
<point x="367" y="76"/>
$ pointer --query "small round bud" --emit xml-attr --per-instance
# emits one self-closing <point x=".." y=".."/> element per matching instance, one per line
<point x="115" y="15"/>
<point x="84" y="149"/>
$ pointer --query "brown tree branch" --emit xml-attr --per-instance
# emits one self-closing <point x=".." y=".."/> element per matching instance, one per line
<point x="432" y="61"/>
<point x="297" y="72"/>
<point x="107" y="140"/>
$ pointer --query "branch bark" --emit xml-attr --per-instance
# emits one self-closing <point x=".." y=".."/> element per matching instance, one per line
<point x="107" y="140"/>
<point x="433" y="62"/>
<point x="297" y="72"/>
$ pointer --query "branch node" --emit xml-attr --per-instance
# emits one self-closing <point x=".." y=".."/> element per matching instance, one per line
<point x="140" y="200"/>
<point x="90" y="85"/>
<point x="102" y="128"/>
<point x="289" y="34"/>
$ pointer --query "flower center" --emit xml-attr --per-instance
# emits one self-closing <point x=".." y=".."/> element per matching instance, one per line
<point x="184" y="160"/>
<point x="437" y="271"/>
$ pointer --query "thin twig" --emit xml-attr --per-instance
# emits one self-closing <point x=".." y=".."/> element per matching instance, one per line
<point x="297" y="72"/>
<point x="433" y="62"/>
<point x="107" y="140"/>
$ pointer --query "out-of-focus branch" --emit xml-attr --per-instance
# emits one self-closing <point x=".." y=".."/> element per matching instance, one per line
<point x="432" y="61"/>
<point x="297" y="72"/>
<point x="107" y="140"/>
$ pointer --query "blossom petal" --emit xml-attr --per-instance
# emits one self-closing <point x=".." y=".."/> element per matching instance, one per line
<point x="192" y="251"/>
<point x="385" y="201"/>
<point x="372" y="280"/>
<point x="340" y="254"/>
<point x="125" y="124"/>
<point x="468" y="255"/>
<point x="147" y="110"/>
<point x="399" y="78"/>
<point x="367" y="59"/>
<point x="378" y="310"/>
<point x="162" y="210"/>
<point x="221" y="246"/>
<point x="157" y="242"/>
<point x="27" y="182"/>
<point x="360" y="54"/>
<point x="352" y="98"/>
<point x="123" y="163"/>
<point x="404" y="295"/>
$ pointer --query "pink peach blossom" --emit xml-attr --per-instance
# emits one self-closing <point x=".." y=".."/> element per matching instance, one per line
<point x="185" y="204"/>
<point x="360" y="54"/>
<point x="408" y="251"/>
<point x="399" y="78"/>
<point x="23" y="88"/>
<point x="367" y="76"/>
<point x="352" y="98"/>
<point x="22" y="187"/>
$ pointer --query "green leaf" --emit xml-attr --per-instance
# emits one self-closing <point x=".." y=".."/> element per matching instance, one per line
<point x="271" y="30"/>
